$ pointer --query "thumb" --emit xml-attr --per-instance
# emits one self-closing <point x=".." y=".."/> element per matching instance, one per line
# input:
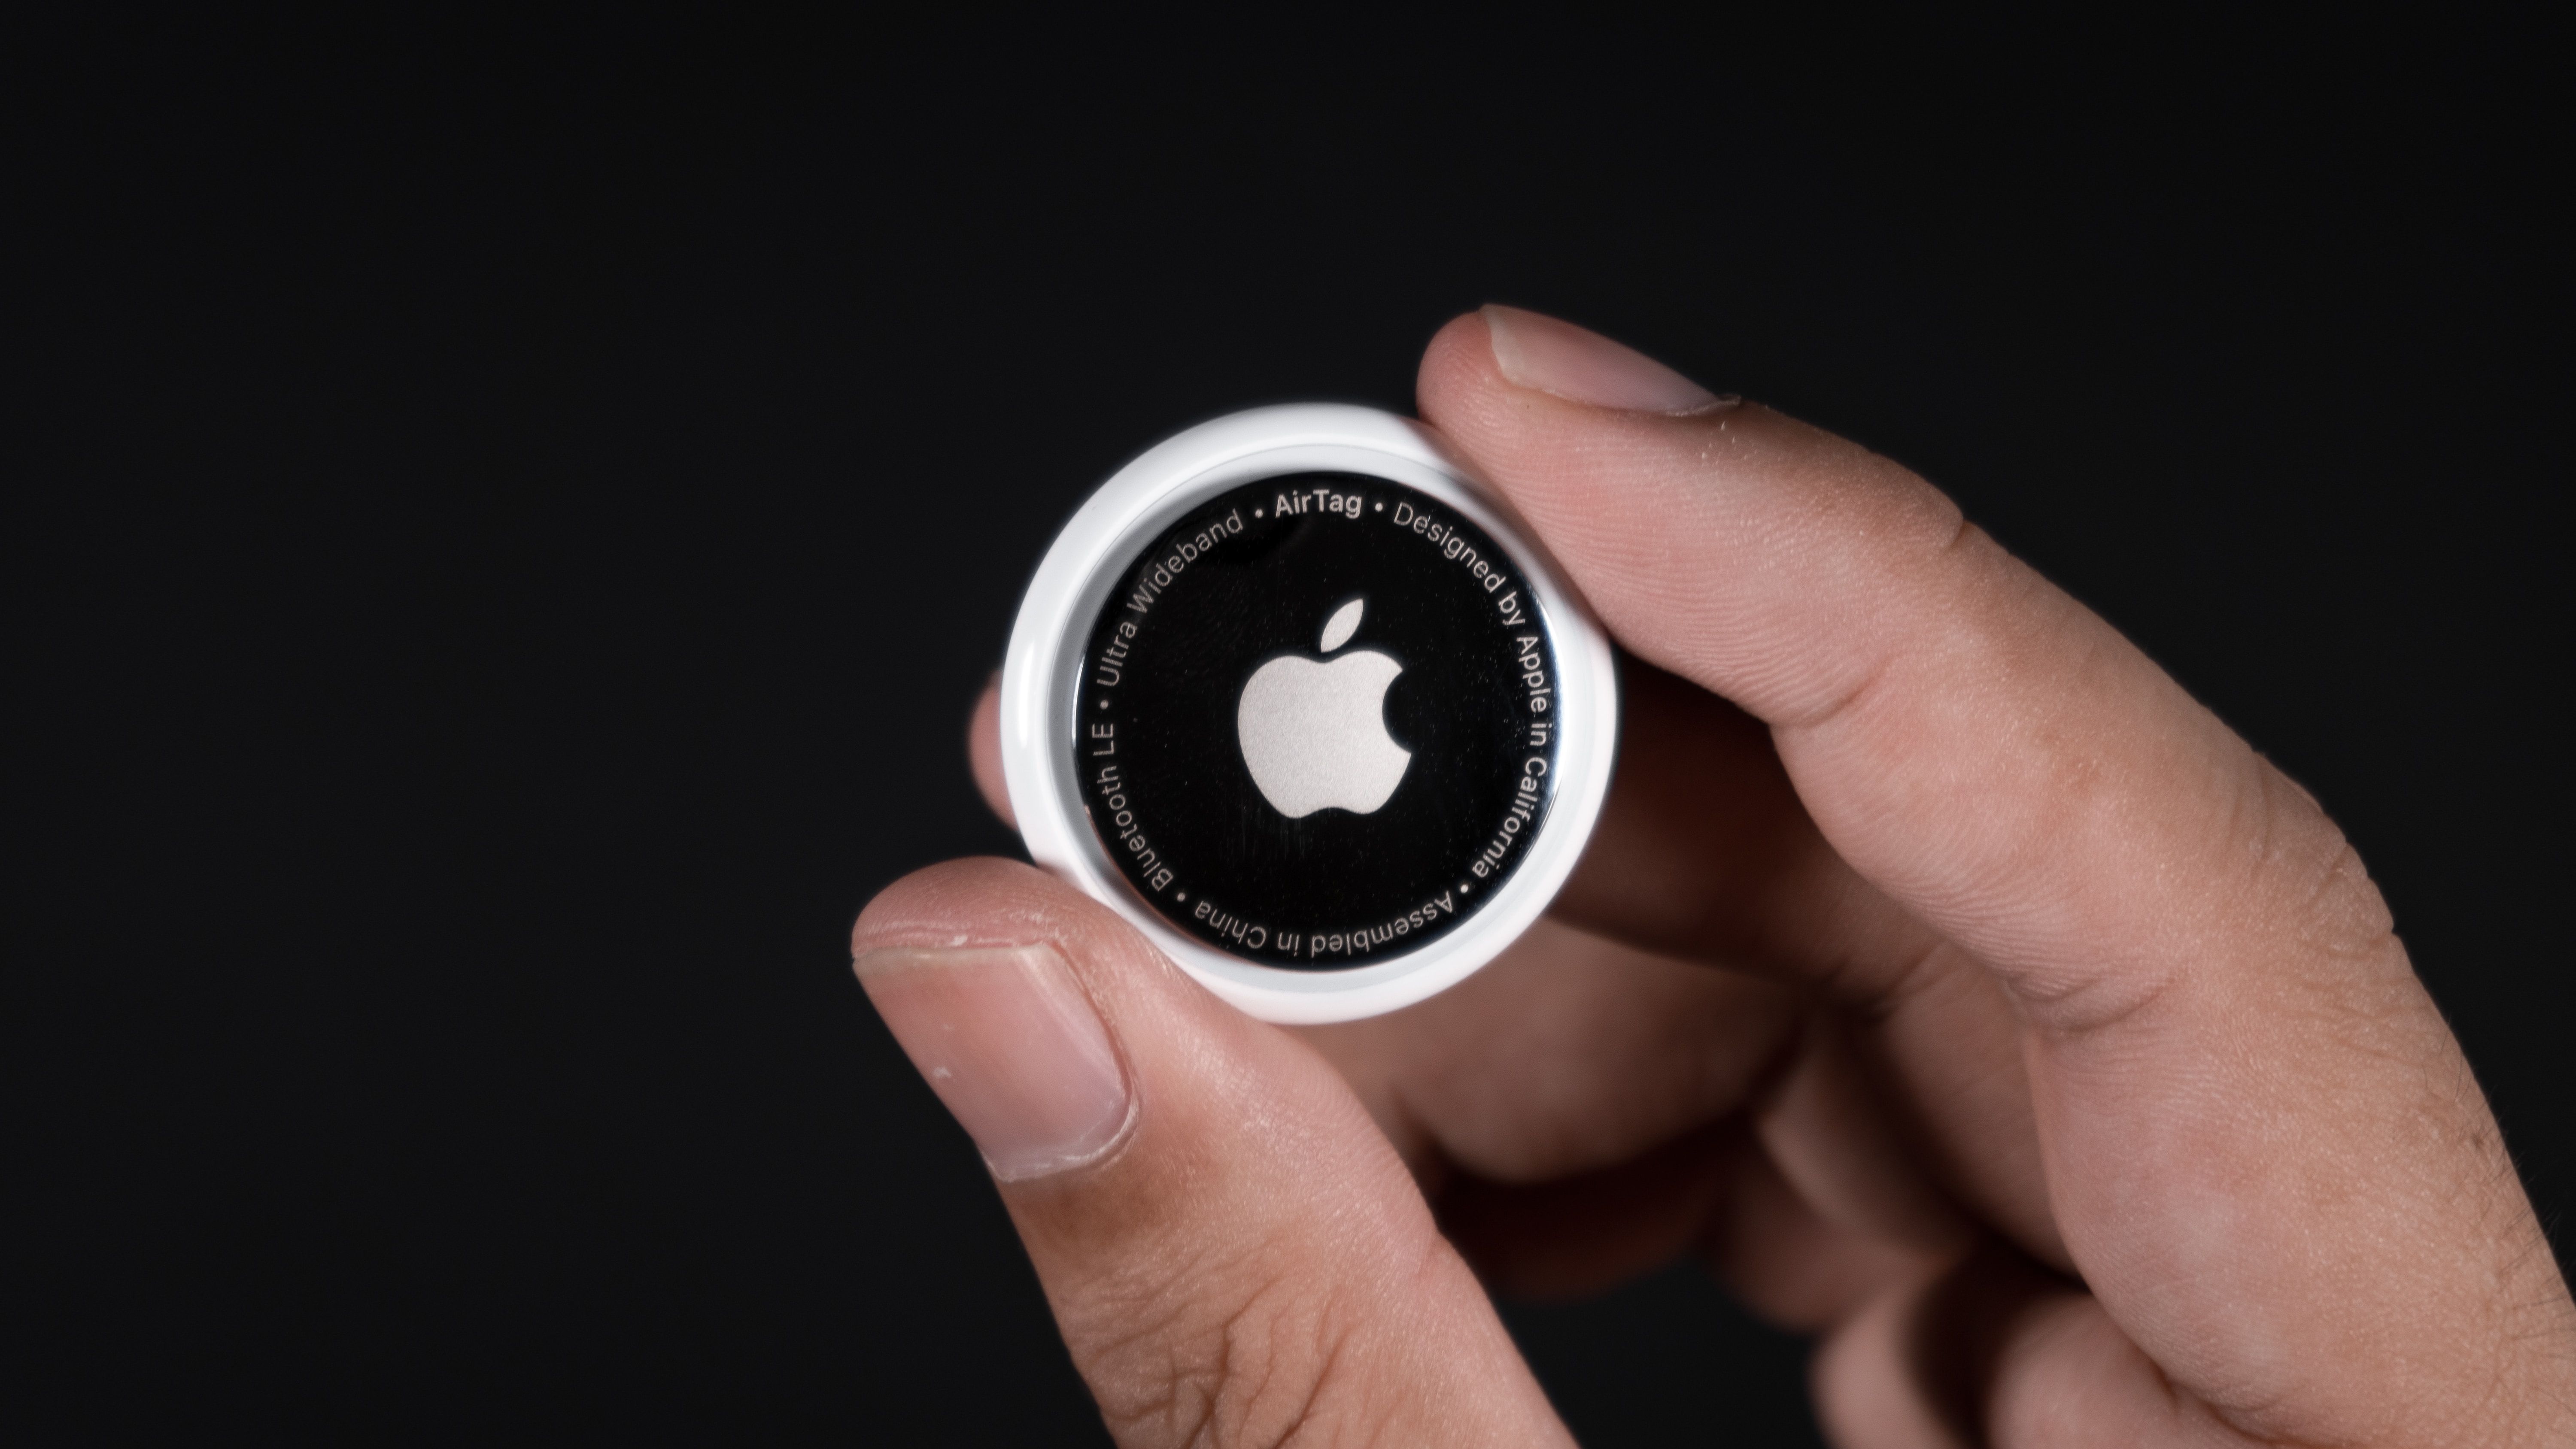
<point x="1232" y="1250"/>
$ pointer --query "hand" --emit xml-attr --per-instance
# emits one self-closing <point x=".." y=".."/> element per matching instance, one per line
<point x="1954" y="983"/>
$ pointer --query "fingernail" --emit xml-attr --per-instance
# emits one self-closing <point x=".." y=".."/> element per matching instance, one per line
<point x="1559" y="358"/>
<point x="1011" y="1044"/>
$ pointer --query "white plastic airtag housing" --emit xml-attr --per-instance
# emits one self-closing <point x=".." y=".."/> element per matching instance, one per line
<point x="1055" y="766"/>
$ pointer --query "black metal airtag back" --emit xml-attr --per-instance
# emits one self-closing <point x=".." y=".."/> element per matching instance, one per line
<point x="1317" y="719"/>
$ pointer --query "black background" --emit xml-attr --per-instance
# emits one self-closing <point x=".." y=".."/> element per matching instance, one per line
<point x="506" y="525"/>
<point x="1459" y="705"/>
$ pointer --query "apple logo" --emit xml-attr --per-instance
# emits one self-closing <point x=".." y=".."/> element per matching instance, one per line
<point x="1314" y="733"/>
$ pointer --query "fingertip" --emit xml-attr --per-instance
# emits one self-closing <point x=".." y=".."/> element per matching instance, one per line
<point x="984" y="750"/>
<point x="981" y="900"/>
<point x="1458" y="364"/>
<point x="1464" y="342"/>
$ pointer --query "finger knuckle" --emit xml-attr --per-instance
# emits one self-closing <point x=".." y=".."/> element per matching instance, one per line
<point x="2311" y="885"/>
<point x="1217" y="1351"/>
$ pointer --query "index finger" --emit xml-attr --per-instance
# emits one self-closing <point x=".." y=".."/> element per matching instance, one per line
<point x="2262" y="1144"/>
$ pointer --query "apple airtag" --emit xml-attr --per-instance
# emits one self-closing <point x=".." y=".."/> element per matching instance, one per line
<point x="1295" y="694"/>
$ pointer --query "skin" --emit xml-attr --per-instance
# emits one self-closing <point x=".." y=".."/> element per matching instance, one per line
<point x="1945" y="977"/>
